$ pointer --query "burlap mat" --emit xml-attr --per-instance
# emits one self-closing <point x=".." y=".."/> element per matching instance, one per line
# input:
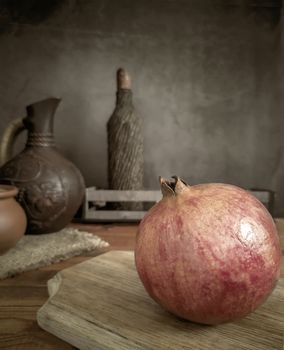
<point x="32" y="251"/>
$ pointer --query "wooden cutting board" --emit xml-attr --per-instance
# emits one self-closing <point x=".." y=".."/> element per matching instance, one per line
<point x="100" y="304"/>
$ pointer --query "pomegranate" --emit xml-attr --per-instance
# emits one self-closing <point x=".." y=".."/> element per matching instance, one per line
<point x="208" y="253"/>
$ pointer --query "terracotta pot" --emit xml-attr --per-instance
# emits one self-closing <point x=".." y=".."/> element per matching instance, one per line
<point x="13" y="221"/>
<point x="51" y="188"/>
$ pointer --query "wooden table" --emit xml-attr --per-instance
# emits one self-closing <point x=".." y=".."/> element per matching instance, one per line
<point x="22" y="296"/>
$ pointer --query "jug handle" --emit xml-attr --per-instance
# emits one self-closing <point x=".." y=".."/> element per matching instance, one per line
<point x="8" y="139"/>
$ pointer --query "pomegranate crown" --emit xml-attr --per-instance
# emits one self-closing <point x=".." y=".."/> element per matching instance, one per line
<point x="172" y="187"/>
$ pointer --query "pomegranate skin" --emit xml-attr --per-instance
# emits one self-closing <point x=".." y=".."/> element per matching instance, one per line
<point x="208" y="253"/>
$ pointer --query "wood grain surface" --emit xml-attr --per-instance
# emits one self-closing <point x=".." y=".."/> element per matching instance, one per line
<point x="23" y="295"/>
<point x="101" y="304"/>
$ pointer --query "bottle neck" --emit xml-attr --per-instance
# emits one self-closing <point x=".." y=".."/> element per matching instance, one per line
<point x="40" y="139"/>
<point x="39" y="123"/>
<point x="124" y="98"/>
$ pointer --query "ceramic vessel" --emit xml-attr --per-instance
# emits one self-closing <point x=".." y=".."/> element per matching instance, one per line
<point x="51" y="188"/>
<point x="13" y="220"/>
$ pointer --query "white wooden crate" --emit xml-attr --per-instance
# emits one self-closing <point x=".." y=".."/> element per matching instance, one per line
<point x="96" y="199"/>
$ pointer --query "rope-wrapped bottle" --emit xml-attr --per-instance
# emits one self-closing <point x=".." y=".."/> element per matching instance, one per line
<point x="125" y="143"/>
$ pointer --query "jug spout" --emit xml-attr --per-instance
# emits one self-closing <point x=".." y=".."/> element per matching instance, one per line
<point x="40" y="116"/>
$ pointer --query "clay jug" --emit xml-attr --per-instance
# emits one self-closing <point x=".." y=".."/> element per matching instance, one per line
<point x="125" y="143"/>
<point x="13" y="221"/>
<point x="51" y="188"/>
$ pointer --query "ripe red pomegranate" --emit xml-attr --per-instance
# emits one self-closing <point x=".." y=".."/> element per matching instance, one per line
<point x="208" y="253"/>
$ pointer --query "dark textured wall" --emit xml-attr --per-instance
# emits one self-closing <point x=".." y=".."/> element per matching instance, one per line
<point x="207" y="79"/>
